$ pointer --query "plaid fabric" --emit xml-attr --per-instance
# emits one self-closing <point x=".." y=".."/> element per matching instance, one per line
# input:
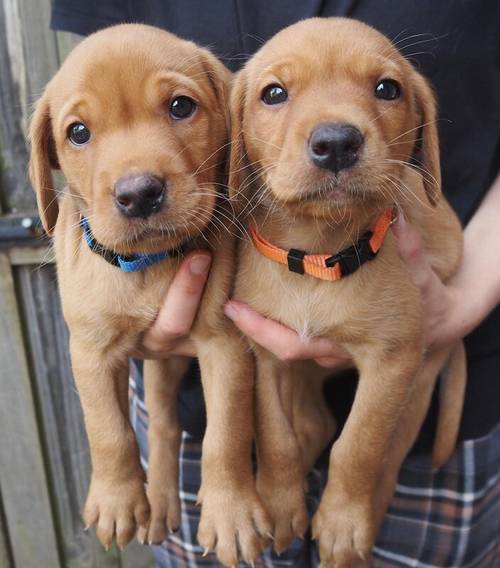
<point x="449" y="518"/>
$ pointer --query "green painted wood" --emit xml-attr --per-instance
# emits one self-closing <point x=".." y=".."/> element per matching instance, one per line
<point x="15" y="190"/>
<point x="66" y="41"/>
<point x="21" y="255"/>
<point x="67" y="448"/>
<point x="5" y="556"/>
<point x="65" y="438"/>
<point x="137" y="555"/>
<point x="23" y="478"/>
<point x="29" y="57"/>
<point x="41" y="58"/>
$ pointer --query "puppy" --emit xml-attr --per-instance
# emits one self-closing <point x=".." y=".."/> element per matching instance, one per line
<point x="334" y="133"/>
<point x="136" y="120"/>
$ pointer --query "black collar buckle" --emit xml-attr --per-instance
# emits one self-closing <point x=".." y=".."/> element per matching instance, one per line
<point x="351" y="258"/>
<point x="295" y="260"/>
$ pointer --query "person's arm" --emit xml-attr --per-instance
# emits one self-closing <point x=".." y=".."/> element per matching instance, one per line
<point x="452" y="310"/>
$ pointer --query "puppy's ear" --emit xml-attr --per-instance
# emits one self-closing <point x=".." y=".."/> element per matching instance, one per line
<point x="238" y="162"/>
<point x="43" y="159"/>
<point x="219" y="78"/>
<point x="427" y="147"/>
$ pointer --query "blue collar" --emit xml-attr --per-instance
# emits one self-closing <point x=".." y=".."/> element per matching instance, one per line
<point x="131" y="263"/>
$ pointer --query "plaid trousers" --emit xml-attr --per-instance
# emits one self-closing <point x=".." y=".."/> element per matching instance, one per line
<point x="444" y="519"/>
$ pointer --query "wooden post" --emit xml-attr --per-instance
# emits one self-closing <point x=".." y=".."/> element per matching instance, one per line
<point x="5" y="557"/>
<point x="25" y="495"/>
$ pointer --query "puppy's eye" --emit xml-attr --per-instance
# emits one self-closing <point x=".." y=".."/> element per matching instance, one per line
<point x="78" y="133"/>
<point x="274" y="95"/>
<point x="388" y="90"/>
<point x="182" y="107"/>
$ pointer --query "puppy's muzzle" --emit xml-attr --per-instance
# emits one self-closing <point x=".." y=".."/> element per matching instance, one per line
<point x="139" y="195"/>
<point x="334" y="146"/>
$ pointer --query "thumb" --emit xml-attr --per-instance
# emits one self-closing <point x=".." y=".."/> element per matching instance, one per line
<point x="180" y="306"/>
<point x="410" y="247"/>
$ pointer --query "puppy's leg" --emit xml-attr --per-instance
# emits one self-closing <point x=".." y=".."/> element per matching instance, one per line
<point x="162" y="379"/>
<point x="313" y="423"/>
<point x="345" y="523"/>
<point x="280" y="471"/>
<point x="232" y="516"/>
<point x="116" y="500"/>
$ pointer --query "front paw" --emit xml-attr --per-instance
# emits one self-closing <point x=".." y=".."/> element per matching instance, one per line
<point x="117" y="508"/>
<point x="344" y="529"/>
<point x="165" y="515"/>
<point x="286" y="505"/>
<point x="232" y="520"/>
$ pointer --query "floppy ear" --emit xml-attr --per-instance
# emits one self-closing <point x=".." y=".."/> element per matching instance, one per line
<point x="238" y="162"/>
<point x="219" y="77"/>
<point x="427" y="150"/>
<point x="43" y="159"/>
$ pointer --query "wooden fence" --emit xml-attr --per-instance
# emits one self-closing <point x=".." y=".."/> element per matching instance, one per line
<point x="44" y="457"/>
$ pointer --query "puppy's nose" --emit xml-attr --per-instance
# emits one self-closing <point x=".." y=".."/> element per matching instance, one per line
<point x="334" y="146"/>
<point x="139" y="195"/>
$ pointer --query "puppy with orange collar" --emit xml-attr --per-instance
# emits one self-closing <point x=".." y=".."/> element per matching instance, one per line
<point x="136" y="120"/>
<point x="334" y="132"/>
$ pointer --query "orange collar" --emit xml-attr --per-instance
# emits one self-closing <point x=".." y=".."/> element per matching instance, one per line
<point x="324" y="266"/>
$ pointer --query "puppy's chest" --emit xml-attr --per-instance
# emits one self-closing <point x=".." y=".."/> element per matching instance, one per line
<point x="103" y="297"/>
<point x="310" y="306"/>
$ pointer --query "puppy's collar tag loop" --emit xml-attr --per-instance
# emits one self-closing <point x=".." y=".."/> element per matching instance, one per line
<point x="324" y="266"/>
<point x="127" y="263"/>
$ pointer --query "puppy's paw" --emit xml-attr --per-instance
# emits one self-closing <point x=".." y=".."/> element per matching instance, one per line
<point x="117" y="508"/>
<point x="344" y="529"/>
<point x="286" y="506"/>
<point x="165" y="515"/>
<point x="234" y="524"/>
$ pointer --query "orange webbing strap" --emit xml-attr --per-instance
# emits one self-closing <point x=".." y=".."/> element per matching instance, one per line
<point x="380" y="228"/>
<point x="314" y="264"/>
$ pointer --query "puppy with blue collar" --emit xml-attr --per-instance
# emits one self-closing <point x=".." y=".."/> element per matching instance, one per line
<point x="137" y="121"/>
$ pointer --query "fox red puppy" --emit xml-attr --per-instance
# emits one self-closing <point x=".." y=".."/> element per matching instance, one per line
<point x="334" y="135"/>
<point x="136" y="120"/>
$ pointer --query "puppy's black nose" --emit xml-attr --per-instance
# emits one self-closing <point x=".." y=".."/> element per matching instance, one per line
<point x="334" y="146"/>
<point x="139" y="195"/>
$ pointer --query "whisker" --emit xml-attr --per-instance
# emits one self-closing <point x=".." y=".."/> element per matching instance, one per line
<point x="417" y="127"/>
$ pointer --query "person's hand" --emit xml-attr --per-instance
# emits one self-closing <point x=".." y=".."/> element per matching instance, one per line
<point x="449" y="314"/>
<point x="169" y="333"/>
<point x="282" y="341"/>
<point x="449" y="311"/>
